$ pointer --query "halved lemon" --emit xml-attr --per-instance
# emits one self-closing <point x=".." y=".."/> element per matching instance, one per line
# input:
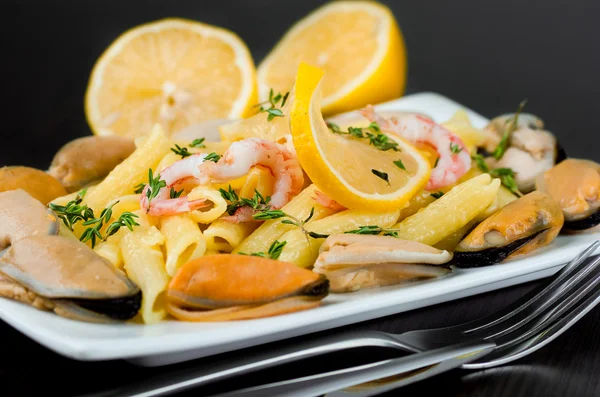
<point x="357" y="43"/>
<point x="174" y="72"/>
<point x="350" y="170"/>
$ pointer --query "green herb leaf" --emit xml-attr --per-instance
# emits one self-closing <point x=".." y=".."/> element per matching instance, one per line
<point x="510" y="128"/>
<point x="334" y="128"/>
<point x="182" y="151"/>
<point x="139" y="188"/>
<point x="312" y="212"/>
<point x="198" y="143"/>
<point x="269" y="214"/>
<point x="437" y="195"/>
<point x="454" y="148"/>
<point x="212" y="157"/>
<point x="173" y="194"/>
<point x="399" y="164"/>
<point x="381" y="175"/>
<point x="375" y="137"/>
<point x="437" y="160"/>
<point x="154" y="186"/>
<point x="480" y="161"/>
<point x="374" y="230"/>
<point x="507" y="178"/>
<point x="274" y="250"/>
<point x="317" y="235"/>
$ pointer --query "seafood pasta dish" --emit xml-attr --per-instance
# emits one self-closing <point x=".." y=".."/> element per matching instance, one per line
<point x="263" y="212"/>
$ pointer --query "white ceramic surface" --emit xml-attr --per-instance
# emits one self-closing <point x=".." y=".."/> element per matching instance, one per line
<point x="173" y="341"/>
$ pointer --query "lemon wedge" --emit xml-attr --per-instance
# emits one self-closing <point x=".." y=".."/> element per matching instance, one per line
<point x="174" y="72"/>
<point x="350" y="170"/>
<point x="357" y="43"/>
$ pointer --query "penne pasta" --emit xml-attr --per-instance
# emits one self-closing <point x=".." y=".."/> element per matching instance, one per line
<point x="216" y="208"/>
<point x="224" y="236"/>
<point x="144" y="264"/>
<point x="258" y="179"/>
<point x="183" y="241"/>
<point x="299" y="207"/>
<point x="111" y="251"/>
<point x="450" y="212"/>
<point x="303" y="250"/>
<point x="131" y="172"/>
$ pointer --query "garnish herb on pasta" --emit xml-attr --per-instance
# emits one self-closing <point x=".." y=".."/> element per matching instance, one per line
<point x="292" y="220"/>
<point x="154" y="186"/>
<point x="373" y="229"/>
<point x="274" y="100"/>
<point x="257" y="202"/>
<point x="181" y="151"/>
<point x="198" y="143"/>
<point x="273" y="253"/>
<point x="212" y="157"/>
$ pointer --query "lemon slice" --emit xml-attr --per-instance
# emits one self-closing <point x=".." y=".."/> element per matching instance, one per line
<point x="174" y="72"/>
<point x="357" y="43"/>
<point x="345" y="167"/>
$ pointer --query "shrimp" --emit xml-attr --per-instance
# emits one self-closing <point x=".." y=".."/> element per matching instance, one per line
<point x="236" y="162"/>
<point x="245" y="154"/>
<point x="241" y="215"/>
<point x="327" y="202"/>
<point x="454" y="159"/>
<point x="162" y="204"/>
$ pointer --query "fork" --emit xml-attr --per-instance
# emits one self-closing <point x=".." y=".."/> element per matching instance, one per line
<point x="509" y="344"/>
<point x="546" y="309"/>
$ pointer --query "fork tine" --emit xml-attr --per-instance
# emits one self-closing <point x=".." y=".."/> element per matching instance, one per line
<point x="561" y="309"/>
<point x="555" y="288"/>
<point x="567" y="291"/>
<point x="544" y="333"/>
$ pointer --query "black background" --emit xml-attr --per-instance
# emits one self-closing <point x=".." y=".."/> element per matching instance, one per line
<point x="485" y="54"/>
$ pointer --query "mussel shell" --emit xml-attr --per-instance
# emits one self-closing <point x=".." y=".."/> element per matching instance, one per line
<point x="583" y="224"/>
<point x="22" y="216"/>
<point x="228" y="280"/>
<point x="116" y="308"/>
<point x="490" y="256"/>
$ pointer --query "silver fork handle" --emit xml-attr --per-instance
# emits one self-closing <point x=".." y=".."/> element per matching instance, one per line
<point x="291" y="352"/>
<point x="410" y="369"/>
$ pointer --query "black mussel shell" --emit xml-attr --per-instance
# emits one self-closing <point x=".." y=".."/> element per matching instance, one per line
<point x="583" y="224"/>
<point x="490" y="256"/>
<point x="317" y="289"/>
<point x="118" y="308"/>
<point x="561" y="154"/>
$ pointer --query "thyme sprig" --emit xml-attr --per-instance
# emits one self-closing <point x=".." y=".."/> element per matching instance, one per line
<point x="212" y="157"/>
<point x="374" y="230"/>
<point x="181" y="151"/>
<point x="511" y="126"/>
<point x="258" y="202"/>
<point x="198" y="143"/>
<point x="382" y="175"/>
<point x="291" y="220"/>
<point x="73" y="211"/>
<point x="274" y="100"/>
<point x="154" y="186"/>
<point x="506" y="175"/>
<point x="274" y="251"/>
<point x="373" y="133"/>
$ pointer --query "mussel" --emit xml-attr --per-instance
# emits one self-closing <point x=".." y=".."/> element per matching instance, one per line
<point x="85" y="161"/>
<point x="352" y="261"/>
<point x="226" y="287"/>
<point x="53" y="272"/>
<point x="39" y="184"/>
<point x="575" y="185"/>
<point x="531" y="149"/>
<point x="526" y="224"/>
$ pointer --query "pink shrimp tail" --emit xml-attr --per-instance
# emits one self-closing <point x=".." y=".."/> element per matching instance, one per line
<point x="327" y="202"/>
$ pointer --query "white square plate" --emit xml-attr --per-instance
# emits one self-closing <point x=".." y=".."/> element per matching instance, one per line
<point x="173" y="341"/>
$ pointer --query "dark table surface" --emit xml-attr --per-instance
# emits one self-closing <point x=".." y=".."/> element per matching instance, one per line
<point x="488" y="55"/>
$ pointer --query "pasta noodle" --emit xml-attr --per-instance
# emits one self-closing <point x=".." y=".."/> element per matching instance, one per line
<point x="183" y="241"/>
<point x="224" y="236"/>
<point x="144" y="264"/>
<point x="299" y="251"/>
<point x="269" y="231"/>
<point x="217" y="206"/>
<point x="111" y="251"/>
<point x="131" y="172"/>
